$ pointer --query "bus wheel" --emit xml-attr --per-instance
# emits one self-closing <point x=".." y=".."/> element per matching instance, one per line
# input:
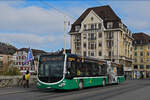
<point x="118" y="81"/>
<point x="104" y="83"/>
<point x="80" y="85"/>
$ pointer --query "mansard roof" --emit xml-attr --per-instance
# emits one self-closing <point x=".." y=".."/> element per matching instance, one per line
<point x="104" y="12"/>
<point x="141" y="38"/>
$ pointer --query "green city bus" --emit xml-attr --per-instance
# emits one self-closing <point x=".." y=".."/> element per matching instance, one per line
<point x="70" y="71"/>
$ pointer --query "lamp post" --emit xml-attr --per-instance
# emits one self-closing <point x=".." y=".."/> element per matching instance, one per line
<point x="65" y="34"/>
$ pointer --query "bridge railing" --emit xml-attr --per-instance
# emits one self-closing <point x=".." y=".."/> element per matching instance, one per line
<point x="15" y="81"/>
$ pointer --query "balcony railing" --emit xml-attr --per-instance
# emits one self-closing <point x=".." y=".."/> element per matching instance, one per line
<point x="92" y="38"/>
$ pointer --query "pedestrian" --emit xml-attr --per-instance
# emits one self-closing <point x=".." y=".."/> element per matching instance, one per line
<point x="23" y="81"/>
<point x="27" y="77"/>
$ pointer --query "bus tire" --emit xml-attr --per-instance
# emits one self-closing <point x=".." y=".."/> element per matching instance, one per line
<point x="80" y="84"/>
<point x="104" y="83"/>
<point x="118" y="81"/>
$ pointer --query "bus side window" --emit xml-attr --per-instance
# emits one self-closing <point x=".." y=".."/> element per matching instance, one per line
<point x="90" y="70"/>
<point x="79" y="69"/>
<point x="94" y="67"/>
<point x="99" y="70"/>
<point x="104" y="69"/>
<point x="86" y="69"/>
<point x="73" y="64"/>
<point x="71" y="68"/>
<point x="120" y="71"/>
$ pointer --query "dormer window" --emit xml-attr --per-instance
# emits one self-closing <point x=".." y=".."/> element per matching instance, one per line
<point x="92" y="18"/>
<point x="109" y="25"/>
<point x="84" y="26"/>
<point x="77" y="28"/>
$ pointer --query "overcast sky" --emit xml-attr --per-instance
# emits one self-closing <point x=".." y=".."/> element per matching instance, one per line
<point x="40" y="25"/>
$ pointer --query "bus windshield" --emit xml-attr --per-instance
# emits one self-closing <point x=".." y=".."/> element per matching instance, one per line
<point x="51" y="68"/>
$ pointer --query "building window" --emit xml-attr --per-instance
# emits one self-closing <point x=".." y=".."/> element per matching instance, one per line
<point x="109" y="35"/>
<point x="84" y="26"/>
<point x="135" y="54"/>
<point x="141" y="53"/>
<point x="147" y="53"/>
<point x="92" y="45"/>
<point x="109" y="54"/>
<point x="92" y="18"/>
<point x="84" y="53"/>
<point x="1" y="63"/>
<point x="141" y="66"/>
<point x="91" y="36"/>
<point x="99" y="26"/>
<point x="109" y="44"/>
<point x="135" y="60"/>
<point x="89" y="53"/>
<point x="77" y="28"/>
<point x="135" y="67"/>
<point x="141" y="60"/>
<point x="19" y="57"/>
<point x="100" y="35"/>
<point x="84" y="45"/>
<point x="1" y="57"/>
<point x="135" y="48"/>
<point x="92" y="53"/>
<point x="100" y="44"/>
<point x="92" y="26"/>
<point x="100" y="53"/>
<point x="147" y="66"/>
<point x="109" y="25"/>
<point x="84" y="36"/>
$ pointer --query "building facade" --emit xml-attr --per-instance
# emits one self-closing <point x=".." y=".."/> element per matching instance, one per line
<point x="100" y="33"/>
<point x="20" y="56"/>
<point x="6" y="60"/>
<point x="141" y="55"/>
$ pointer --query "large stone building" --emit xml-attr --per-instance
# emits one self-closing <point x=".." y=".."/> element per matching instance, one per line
<point x="141" y="54"/>
<point x="100" y="33"/>
<point x="20" y="56"/>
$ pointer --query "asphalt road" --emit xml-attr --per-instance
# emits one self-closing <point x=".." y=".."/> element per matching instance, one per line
<point x="129" y="90"/>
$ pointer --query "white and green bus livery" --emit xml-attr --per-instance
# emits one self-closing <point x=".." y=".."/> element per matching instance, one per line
<point x="70" y="71"/>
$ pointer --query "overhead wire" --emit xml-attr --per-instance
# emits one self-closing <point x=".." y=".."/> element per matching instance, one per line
<point x="58" y="10"/>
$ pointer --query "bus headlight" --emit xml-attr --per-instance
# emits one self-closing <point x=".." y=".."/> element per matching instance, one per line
<point x="62" y="84"/>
